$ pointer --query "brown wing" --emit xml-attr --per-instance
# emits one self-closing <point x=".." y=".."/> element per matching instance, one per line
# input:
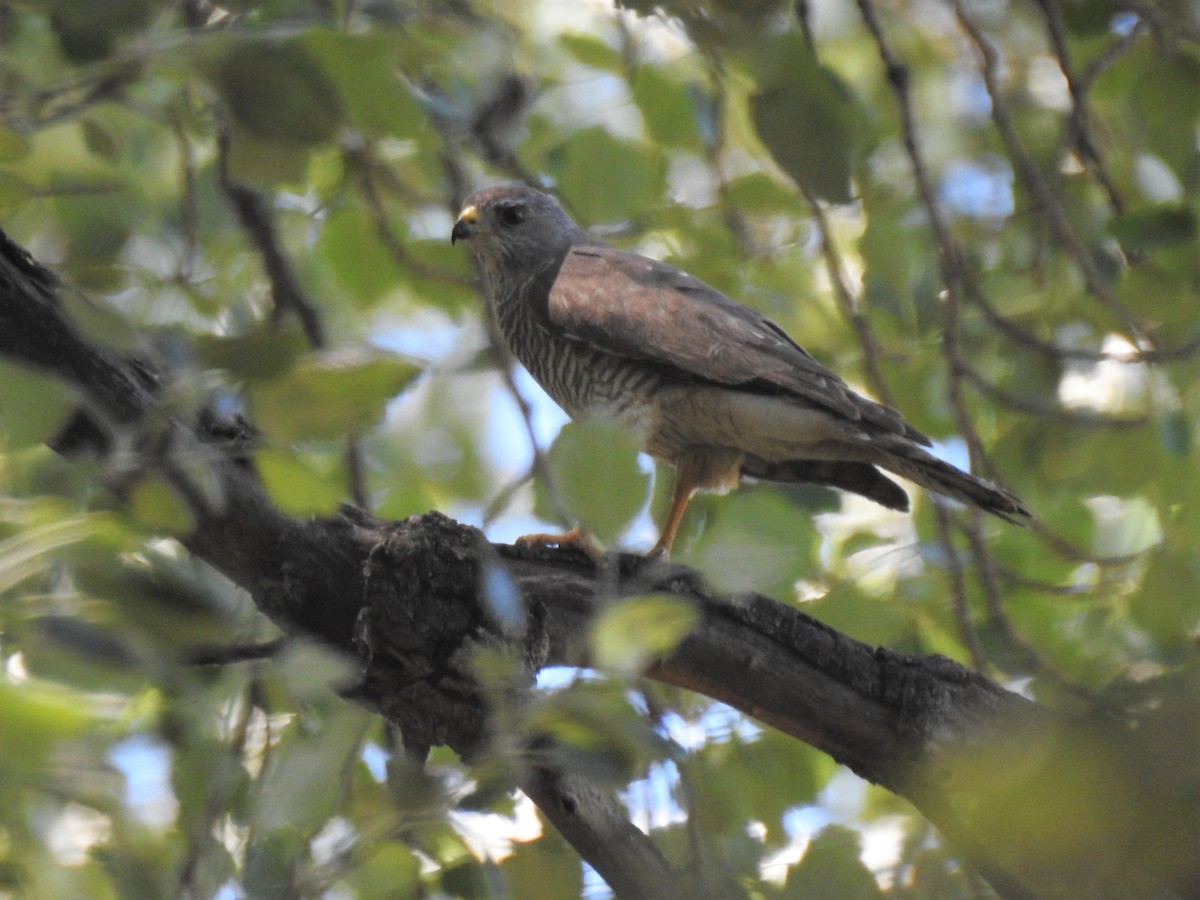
<point x="644" y="309"/>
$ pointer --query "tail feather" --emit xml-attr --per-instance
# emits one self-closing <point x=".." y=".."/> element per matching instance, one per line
<point x="856" y="477"/>
<point x="910" y="461"/>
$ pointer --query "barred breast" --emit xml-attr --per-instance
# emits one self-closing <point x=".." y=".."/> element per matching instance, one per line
<point x="585" y="382"/>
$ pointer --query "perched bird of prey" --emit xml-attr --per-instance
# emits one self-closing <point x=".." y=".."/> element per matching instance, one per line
<point x="708" y="385"/>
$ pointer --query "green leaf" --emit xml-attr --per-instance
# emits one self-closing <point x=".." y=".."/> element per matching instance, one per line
<point x="1151" y="228"/>
<point x="278" y="92"/>
<point x="364" y="69"/>
<point x="330" y="396"/>
<point x="546" y="868"/>
<point x="350" y="244"/>
<point x="591" y="51"/>
<point x="265" y="163"/>
<point x="13" y="145"/>
<point x="1168" y="104"/>
<point x="666" y="107"/>
<point x="831" y="868"/>
<point x="159" y="507"/>
<point x="753" y="540"/>
<point x="595" y="477"/>
<point x="759" y="192"/>
<point x="261" y="352"/>
<point x="88" y="31"/>
<point x="32" y="720"/>
<point x="629" y="635"/>
<point x="607" y="179"/>
<point x="1167" y="605"/>
<point x="1177" y="434"/>
<point x="34" y="406"/>
<point x="808" y="119"/>
<point x="301" y="484"/>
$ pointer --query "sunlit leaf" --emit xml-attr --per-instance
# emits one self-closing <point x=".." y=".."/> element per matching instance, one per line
<point x="666" y="107"/>
<point x="158" y="505"/>
<point x="363" y="67"/>
<point x="606" y="178"/>
<point x="34" y="406"/>
<point x="331" y="396"/>
<point x="628" y="636"/>
<point x="594" y="476"/>
<point x="831" y="868"/>
<point x="301" y="484"/>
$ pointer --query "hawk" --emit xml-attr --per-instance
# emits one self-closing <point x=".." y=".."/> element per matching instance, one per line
<point x="706" y="384"/>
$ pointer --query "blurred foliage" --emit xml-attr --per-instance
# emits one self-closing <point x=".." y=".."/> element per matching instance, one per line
<point x="1066" y="183"/>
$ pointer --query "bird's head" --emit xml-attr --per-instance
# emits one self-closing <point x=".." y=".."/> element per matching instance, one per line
<point x="515" y="229"/>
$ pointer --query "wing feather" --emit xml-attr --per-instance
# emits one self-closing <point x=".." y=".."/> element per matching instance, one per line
<point x="644" y="309"/>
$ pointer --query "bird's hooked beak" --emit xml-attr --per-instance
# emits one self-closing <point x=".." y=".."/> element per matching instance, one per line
<point x="464" y="228"/>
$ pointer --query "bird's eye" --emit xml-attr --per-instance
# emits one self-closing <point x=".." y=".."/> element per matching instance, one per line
<point x="510" y="215"/>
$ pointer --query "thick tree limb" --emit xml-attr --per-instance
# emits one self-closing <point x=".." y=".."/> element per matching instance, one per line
<point x="407" y="600"/>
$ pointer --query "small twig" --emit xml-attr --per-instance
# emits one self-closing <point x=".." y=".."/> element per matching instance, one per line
<point x="1044" y="411"/>
<point x="850" y="304"/>
<point x="255" y="217"/>
<point x="1079" y="130"/>
<point x="958" y="589"/>
<point x="238" y="653"/>
<point x="1031" y="176"/>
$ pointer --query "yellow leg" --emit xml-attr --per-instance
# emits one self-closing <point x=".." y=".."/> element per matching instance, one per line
<point x="684" y="487"/>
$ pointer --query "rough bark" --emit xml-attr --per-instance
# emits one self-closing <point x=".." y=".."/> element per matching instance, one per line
<point x="406" y="599"/>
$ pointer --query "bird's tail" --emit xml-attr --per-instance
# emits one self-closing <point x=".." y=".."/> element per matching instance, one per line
<point x="910" y="461"/>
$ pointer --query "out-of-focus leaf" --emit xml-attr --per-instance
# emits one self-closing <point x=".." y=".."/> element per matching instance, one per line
<point x="277" y="91"/>
<point x="265" y="163"/>
<point x="1124" y="527"/>
<point x="301" y="484"/>
<point x="754" y="539"/>
<point x="33" y="407"/>
<point x="97" y="226"/>
<point x="363" y="67"/>
<point x="596" y="731"/>
<point x="13" y="145"/>
<point x="666" y="108"/>
<point x="1168" y="105"/>
<point x="390" y="869"/>
<point x="1167" y="604"/>
<point x="296" y="790"/>
<point x="31" y="549"/>
<point x="759" y="192"/>
<point x="33" y="719"/>
<point x="157" y="505"/>
<point x="546" y="868"/>
<point x="259" y="353"/>
<point x="629" y="635"/>
<point x="606" y="178"/>
<point x="88" y="31"/>
<point x="99" y="140"/>
<point x="1178" y="434"/>
<point x="595" y="476"/>
<point x="351" y="246"/>
<point x="592" y="51"/>
<point x="831" y="868"/>
<point x="1150" y="228"/>
<point x="328" y="397"/>
<point x="808" y="118"/>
